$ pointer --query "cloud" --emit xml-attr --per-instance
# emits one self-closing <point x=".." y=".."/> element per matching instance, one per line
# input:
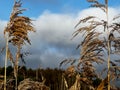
<point x="52" y="40"/>
<point x="2" y="26"/>
<point x="51" y="43"/>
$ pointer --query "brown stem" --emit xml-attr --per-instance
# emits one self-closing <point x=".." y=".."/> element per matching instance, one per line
<point x="16" y="65"/>
<point x="6" y="58"/>
<point x="108" y="44"/>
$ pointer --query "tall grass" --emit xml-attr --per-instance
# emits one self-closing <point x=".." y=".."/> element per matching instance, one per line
<point x="17" y="32"/>
<point x="6" y="58"/>
<point x="93" y="47"/>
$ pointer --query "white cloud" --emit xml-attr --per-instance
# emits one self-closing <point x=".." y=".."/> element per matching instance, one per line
<point x="54" y="27"/>
<point x="52" y="40"/>
<point x="55" y="30"/>
<point x="2" y="26"/>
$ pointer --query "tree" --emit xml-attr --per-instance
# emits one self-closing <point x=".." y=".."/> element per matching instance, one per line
<point x="16" y="33"/>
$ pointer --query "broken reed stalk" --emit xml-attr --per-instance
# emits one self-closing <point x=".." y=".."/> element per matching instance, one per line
<point x="6" y="58"/>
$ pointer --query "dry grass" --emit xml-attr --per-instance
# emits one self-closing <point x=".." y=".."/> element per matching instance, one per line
<point x="28" y="84"/>
<point x="76" y="85"/>
<point x="93" y="47"/>
<point x="17" y="33"/>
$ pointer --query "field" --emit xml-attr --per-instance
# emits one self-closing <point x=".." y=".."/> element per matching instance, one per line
<point x="100" y="42"/>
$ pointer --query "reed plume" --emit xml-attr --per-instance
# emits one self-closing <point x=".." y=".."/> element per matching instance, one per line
<point x="17" y="32"/>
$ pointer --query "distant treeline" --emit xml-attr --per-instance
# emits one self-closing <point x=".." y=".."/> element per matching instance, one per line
<point x="53" y="77"/>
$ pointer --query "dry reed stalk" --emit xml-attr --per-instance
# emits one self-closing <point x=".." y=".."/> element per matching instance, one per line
<point x="17" y="30"/>
<point x="64" y="82"/>
<point x="6" y="58"/>
<point x="108" y="45"/>
<point x="110" y="29"/>
<point x="92" y="46"/>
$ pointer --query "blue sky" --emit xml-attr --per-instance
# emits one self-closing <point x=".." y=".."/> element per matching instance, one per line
<point x="36" y="7"/>
<point x="54" y="22"/>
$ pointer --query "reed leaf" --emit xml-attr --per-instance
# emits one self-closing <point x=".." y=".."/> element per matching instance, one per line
<point x="85" y="20"/>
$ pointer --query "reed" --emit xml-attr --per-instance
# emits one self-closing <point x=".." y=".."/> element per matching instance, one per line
<point x="93" y="47"/>
<point x="17" y="32"/>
